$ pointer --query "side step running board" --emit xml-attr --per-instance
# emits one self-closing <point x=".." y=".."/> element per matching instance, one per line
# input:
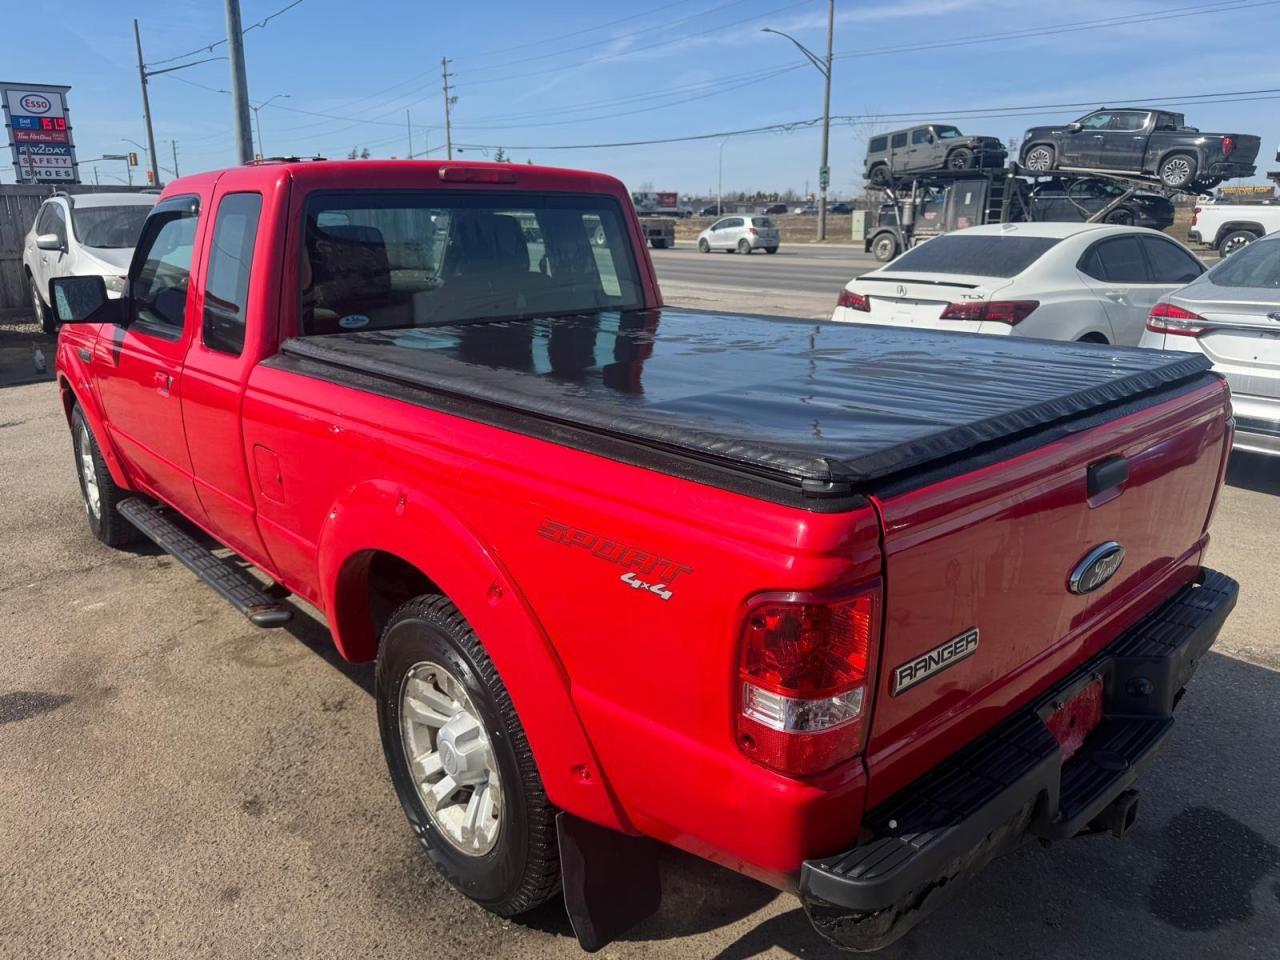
<point x="234" y="586"/>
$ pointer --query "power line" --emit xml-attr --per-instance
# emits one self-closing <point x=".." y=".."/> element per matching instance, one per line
<point x="216" y="43"/>
<point x="990" y="112"/>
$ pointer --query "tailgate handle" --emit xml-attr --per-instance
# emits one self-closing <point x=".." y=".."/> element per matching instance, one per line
<point x="1106" y="475"/>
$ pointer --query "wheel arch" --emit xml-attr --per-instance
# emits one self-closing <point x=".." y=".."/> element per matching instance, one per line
<point x="1231" y="226"/>
<point x="1195" y="153"/>
<point x="1028" y="147"/>
<point x="383" y="543"/>
<point x="81" y="395"/>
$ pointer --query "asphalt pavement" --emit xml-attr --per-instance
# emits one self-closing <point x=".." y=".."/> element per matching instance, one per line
<point x="176" y="783"/>
<point x="800" y="280"/>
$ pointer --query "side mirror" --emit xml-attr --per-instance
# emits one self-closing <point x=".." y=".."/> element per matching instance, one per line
<point x="1074" y="127"/>
<point x="48" y="241"/>
<point x="84" y="300"/>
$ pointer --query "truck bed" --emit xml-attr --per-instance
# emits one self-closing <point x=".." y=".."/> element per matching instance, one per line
<point x="814" y="410"/>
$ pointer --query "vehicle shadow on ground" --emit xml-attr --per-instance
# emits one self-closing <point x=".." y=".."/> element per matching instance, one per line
<point x="1194" y="879"/>
<point x="1254" y="471"/>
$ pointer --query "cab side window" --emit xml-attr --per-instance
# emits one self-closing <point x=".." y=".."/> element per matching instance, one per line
<point x="162" y="268"/>
<point x="1096" y="121"/>
<point x="921" y="136"/>
<point x="226" y="292"/>
<point x="899" y="140"/>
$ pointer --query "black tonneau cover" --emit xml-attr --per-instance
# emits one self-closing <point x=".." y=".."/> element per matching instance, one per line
<point x="830" y="407"/>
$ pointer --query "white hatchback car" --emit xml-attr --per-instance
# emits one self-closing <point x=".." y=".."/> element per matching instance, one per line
<point x="742" y="234"/>
<point x="1056" y="281"/>
<point x="80" y="235"/>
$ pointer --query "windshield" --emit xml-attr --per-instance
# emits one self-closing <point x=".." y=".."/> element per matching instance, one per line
<point x="979" y="256"/>
<point x="113" y="228"/>
<point x="1256" y="265"/>
<point x="947" y="133"/>
<point x="387" y="260"/>
<point x="761" y="222"/>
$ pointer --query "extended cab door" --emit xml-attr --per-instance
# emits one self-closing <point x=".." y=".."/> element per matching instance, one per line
<point x="235" y="326"/>
<point x="1124" y="141"/>
<point x="138" y="366"/>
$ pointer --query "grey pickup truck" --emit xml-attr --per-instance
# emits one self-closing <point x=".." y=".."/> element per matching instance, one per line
<point x="1141" y="142"/>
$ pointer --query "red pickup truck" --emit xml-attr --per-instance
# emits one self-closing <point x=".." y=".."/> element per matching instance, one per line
<point x="851" y="610"/>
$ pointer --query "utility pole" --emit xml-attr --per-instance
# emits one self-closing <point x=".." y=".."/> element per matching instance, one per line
<point x="146" y="108"/>
<point x="239" y="86"/>
<point x="823" y="66"/>
<point x="174" y="144"/>
<point x="448" y="103"/>
<point x="408" y="125"/>
<point x="824" y="172"/>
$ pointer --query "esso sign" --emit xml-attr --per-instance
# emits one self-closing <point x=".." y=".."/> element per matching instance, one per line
<point x="34" y="103"/>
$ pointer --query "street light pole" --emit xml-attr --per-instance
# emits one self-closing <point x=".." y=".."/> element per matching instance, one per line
<point x="257" y="118"/>
<point x="823" y="66"/>
<point x="720" y="182"/>
<point x="146" y="108"/>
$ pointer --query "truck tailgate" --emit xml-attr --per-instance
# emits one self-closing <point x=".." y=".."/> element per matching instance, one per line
<point x="985" y="557"/>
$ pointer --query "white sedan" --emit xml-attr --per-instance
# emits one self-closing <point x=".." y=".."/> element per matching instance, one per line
<point x="1057" y="281"/>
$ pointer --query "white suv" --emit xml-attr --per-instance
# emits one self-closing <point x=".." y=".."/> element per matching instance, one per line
<point x="742" y="234"/>
<point x="82" y="235"/>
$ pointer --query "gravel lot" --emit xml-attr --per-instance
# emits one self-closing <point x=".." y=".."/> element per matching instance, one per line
<point x="174" y="782"/>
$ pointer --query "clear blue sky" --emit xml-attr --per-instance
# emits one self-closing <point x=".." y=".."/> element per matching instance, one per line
<point x="568" y="72"/>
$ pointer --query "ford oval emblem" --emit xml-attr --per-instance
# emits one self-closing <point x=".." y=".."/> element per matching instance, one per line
<point x="36" y="103"/>
<point x="1098" y="566"/>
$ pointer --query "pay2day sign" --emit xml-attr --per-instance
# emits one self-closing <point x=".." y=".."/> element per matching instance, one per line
<point x="39" y="133"/>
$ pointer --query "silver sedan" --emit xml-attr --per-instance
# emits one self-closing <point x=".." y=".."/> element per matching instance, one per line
<point x="1232" y="315"/>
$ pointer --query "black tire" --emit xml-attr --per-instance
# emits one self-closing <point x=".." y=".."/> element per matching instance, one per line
<point x="43" y="315"/>
<point x="884" y="247"/>
<point x="703" y="246"/>
<point x="106" y="522"/>
<point x="522" y="870"/>
<point x="960" y="158"/>
<point x="878" y="176"/>
<point x="1040" y="158"/>
<point x="744" y="246"/>
<point x="1121" y="217"/>
<point x="1178" y="171"/>
<point x="770" y="249"/>
<point x="1234" y="241"/>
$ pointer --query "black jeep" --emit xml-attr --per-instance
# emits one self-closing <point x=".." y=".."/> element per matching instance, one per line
<point x="930" y="148"/>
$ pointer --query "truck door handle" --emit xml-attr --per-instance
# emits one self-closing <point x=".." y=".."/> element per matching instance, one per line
<point x="163" y="382"/>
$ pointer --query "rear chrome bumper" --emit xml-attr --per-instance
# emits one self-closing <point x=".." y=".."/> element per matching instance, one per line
<point x="1257" y="435"/>
<point x="1011" y="783"/>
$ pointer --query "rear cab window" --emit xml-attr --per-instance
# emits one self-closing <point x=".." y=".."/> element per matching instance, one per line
<point x="979" y="256"/>
<point x="226" y="292"/>
<point x="381" y="259"/>
<point x="761" y="222"/>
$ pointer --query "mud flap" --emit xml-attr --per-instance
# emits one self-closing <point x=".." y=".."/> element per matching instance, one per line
<point x="610" y="880"/>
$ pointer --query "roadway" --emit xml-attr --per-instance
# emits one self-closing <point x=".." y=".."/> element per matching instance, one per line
<point x="798" y="280"/>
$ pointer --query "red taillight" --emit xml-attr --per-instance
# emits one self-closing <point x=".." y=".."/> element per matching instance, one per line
<point x="753" y="231"/>
<point x="806" y="675"/>
<point x="854" y="301"/>
<point x="1172" y="319"/>
<point x="1195" y="215"/>
<point x="1002" y="311"/>
<point x="1228" y="144"/>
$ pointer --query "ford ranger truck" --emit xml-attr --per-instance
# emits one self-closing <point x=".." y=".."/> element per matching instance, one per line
<point x="848" y="609"/>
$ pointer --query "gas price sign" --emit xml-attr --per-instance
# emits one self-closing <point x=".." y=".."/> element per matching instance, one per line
<point x="35" y="117"/>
